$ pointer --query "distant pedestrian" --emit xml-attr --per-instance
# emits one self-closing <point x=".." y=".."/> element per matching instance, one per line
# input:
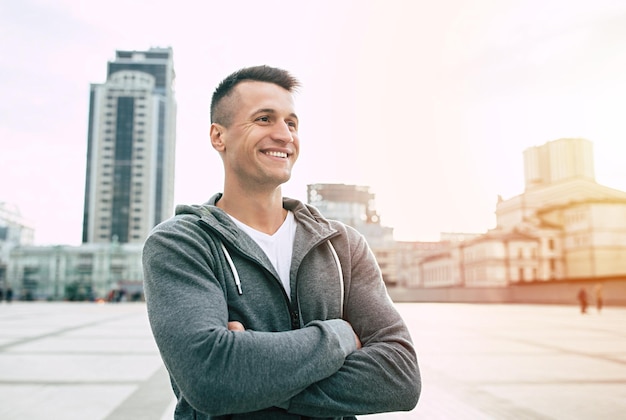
<point x="582" y="299"/>
<point x="599" y="297"/>
<point x="9" y="294"/>
<point x="1" y="294"/>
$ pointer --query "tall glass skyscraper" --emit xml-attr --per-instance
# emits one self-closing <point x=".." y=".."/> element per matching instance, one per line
<point x="131" y="139"/>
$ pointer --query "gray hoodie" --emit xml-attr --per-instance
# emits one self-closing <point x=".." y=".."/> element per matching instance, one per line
<point x="297" y="357"/>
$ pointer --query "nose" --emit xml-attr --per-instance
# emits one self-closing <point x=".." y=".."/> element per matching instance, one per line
<point x="282" y="132"/>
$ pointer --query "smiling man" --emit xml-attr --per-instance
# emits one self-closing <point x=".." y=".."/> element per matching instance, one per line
<point x="262" y="308"/>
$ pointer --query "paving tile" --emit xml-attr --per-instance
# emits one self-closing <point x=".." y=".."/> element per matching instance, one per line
<point x="61" y="401"/>
<point x="537" y="362"/>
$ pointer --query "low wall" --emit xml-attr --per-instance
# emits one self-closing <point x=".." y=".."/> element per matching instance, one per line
<point x="565" y="292"/>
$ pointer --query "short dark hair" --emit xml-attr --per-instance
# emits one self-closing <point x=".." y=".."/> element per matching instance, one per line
<point x="222" y="114"/>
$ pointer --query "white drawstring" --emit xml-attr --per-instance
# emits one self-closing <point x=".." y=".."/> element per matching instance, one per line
<point x="332" y="250"/>
<point x="232" y="268"/>
<point x="338" y="263"/>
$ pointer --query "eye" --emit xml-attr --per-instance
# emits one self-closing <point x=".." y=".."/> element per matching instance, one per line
<point x="264" y="119"/>
<point x="292" y="124"/>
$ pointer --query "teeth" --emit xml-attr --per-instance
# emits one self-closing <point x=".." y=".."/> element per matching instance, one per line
<point x="277" y="154"/>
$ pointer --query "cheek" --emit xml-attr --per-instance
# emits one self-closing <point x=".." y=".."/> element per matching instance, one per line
<point x="296" y="142"/>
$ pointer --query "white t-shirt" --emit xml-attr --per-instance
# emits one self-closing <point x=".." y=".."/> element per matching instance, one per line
<point x="278" y="247"/>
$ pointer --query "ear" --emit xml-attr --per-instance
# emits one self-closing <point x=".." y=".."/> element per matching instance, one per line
<point x="216" y="134"/>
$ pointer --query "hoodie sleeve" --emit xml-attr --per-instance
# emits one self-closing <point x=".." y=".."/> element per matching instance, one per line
<point x="218" y="371"/>
<point x="383" y="376"/>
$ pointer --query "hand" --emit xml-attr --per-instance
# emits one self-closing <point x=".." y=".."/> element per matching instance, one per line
<point x="358" y="340"/>
<point x="235" y="326"/>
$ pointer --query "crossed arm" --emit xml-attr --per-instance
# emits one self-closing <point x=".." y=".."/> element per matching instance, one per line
<point x="223" y="368"/>
<point x="238" y="326"/>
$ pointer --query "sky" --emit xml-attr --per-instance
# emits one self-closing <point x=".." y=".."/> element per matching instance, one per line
<point x="430" y="104"/>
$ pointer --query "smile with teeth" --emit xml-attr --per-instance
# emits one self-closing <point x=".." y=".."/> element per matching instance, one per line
<point x="277" y="154"/>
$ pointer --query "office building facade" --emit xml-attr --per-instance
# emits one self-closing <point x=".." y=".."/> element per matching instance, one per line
<point x="131" y="139"/>
<point x="15" y="231"/>
<point x="355" y="206"/>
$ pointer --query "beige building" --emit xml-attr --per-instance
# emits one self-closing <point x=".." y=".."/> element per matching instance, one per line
<point x="563" y="226"/>
<point x="410" y="274"/>
<point x="499" y="258"/>
<point x="442" y="269"/>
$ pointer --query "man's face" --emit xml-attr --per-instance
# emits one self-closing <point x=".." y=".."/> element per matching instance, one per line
<point x="261" y="144"/>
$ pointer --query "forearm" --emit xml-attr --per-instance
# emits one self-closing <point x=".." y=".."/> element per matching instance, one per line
<point x="236" y="372"/>
<point x="383" y="376"/>
<point x="221" y="372"/>
<point x="380" y="377"/>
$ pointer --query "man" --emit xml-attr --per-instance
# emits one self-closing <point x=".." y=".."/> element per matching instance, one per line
<point x="262" y="308"/>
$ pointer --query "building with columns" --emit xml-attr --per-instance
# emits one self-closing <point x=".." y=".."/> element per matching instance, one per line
<point x="563" y="226"/>
<point x="86" y="272"/>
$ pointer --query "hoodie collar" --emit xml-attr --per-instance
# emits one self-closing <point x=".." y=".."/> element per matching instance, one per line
<point x="316" y="227"/>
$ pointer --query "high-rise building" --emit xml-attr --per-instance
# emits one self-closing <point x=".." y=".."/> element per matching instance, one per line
<point x="557" y="161"/>
<point x="131" y="139"/>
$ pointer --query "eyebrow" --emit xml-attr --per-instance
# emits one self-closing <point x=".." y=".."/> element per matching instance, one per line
<point x="272" y="111"/>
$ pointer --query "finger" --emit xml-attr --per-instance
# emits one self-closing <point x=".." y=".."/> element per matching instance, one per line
<point x="236" y="326"/>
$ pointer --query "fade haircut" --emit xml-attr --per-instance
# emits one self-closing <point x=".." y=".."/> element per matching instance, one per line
<point x="222" y="110"/>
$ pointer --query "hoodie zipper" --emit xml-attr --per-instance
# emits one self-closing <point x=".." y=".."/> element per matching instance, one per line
<point x="293" y="312"/>
<point x="337" y="262"/>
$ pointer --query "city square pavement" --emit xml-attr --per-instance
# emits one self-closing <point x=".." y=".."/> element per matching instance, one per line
<point x="98" y="361"/>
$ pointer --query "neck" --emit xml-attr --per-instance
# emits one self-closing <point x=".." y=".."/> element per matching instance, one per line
<point x="262" y="211"/>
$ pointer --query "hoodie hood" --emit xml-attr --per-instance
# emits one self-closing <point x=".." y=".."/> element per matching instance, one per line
<point x="317" y="227"/>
